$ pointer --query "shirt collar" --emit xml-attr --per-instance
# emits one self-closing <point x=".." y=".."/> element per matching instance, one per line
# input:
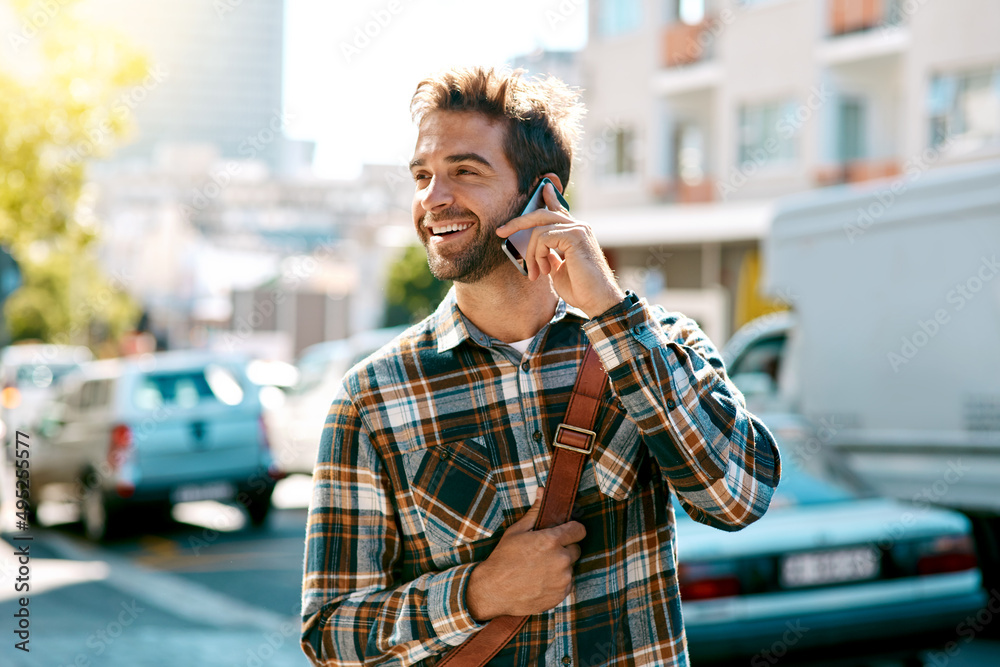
<point x="452" y="328"/>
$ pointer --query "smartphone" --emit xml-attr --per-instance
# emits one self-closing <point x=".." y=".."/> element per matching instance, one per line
<point x="515" y="246"/>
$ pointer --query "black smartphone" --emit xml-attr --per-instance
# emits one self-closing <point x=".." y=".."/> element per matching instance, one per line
<point x="515" y="246"/>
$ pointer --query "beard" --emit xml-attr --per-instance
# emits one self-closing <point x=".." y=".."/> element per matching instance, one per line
<point x="481" y="256"/>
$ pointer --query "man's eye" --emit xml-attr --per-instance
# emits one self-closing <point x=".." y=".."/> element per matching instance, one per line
<point x="418" y="177"/>
<point x="463" y="170"/>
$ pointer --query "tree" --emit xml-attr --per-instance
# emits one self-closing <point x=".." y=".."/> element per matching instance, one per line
<point x="67" y="104"/>
<point x="412" y="292"/>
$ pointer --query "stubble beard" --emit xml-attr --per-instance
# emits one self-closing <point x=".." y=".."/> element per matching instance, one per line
<point x="481" y="257"/>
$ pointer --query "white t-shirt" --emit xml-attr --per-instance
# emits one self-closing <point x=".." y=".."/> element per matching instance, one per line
<point x="522" y="345"/>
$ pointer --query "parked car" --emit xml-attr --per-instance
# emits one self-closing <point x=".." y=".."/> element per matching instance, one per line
<point x="29" y="375"/>
<point x="297" y="424"/>
<point x="832" y="566"/>
<point x="142" y="434"/>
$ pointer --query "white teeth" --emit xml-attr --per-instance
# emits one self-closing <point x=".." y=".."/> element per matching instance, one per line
<point x="454" y="227"/>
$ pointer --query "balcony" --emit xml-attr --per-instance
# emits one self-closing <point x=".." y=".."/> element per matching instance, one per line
<point x="686" y="44"/>
<point x="857" y="171"/>
<point x="682" y="192"/>
<point x="849" y="16"/>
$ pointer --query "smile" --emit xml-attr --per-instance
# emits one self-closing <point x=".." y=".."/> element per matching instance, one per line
<point x="438" y="230"/>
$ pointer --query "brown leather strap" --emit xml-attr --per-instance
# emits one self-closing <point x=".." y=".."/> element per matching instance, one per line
<point x="572" y="444"/>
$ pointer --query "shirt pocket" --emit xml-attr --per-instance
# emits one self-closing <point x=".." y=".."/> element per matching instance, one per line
<point x="455" y="492"/>
<point x="616" y="458"/>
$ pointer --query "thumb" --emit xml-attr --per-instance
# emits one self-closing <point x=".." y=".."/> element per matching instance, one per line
<point x="527" y="522"/>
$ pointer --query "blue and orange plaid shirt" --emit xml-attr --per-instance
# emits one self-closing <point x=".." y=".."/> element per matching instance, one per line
<point x="438" y="442"/>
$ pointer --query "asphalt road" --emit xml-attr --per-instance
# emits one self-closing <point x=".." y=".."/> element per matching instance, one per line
<point x="202" y="590"/>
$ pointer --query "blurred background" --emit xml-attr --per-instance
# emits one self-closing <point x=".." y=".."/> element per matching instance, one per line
<point x="204" y="222"/>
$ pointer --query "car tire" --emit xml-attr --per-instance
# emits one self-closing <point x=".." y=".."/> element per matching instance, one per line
<point x="257" y="505"/>
<point x="102" y="519"/>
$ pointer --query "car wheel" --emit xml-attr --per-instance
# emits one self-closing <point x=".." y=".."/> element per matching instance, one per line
<point x="258" y="505"/>
<point x="101" y="520"/>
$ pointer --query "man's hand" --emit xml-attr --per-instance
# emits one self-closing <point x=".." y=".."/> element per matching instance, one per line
<point x="567" y="250"/>
<point x="529" y="571"/>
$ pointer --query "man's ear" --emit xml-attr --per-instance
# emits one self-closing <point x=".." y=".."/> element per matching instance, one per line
<point x="555" y="181"/>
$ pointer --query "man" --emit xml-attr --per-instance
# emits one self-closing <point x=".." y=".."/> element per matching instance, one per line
<point x="436" y="448"/>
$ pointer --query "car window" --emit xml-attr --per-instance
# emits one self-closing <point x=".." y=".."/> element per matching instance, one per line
<point x="764" y="356"/>
<point x="42" y="375"/>
<point x="186" y="389"/>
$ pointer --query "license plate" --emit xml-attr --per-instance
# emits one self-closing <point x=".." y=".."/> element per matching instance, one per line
<point x="829" y="567"/>
<point x="212" y="491"/>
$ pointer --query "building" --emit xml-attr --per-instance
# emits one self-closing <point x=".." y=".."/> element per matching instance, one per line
<point x="220" y="253"/>
<point x="219" y="75"/>
<point x="701" y="113"/>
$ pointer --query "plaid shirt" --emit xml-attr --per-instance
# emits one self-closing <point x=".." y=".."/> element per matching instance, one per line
<point x="438" y="442"/>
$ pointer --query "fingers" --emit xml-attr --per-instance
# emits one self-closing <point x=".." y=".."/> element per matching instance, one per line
<point x="551" y="200"/>
<point x="574" y="552"/>
<point x="568" y="533"/>
<point x="527" y="522"/>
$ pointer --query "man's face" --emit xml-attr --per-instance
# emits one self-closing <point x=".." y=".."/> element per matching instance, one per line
<point x="465" y="189"/>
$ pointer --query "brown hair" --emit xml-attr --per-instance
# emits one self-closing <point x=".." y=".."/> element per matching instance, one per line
<point x="542" y="115"/>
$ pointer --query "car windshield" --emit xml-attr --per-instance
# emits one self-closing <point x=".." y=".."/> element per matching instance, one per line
<point x="42" y="375"/>
<point x="816" y="485"/>
<point x="314" y="365"/>
<point x="187" y="389"/>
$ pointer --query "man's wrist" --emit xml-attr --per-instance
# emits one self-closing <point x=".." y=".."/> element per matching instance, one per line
<point x="614" y="296"/>
<point x="477" y="602"/>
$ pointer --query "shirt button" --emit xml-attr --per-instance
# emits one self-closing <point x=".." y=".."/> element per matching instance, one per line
<point x="537" y="435"/>
<point x="671" y="405"/>
<point x="525" y="366"/>
<point x="637" y="329"/>
<point x="566" y="660"/>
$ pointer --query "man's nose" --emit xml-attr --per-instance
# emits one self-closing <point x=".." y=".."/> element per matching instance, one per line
<point x="437" y="195"/>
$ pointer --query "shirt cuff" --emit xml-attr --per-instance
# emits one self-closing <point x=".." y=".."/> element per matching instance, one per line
<point x="624" y="331"/>
<point x="446" y="606"/>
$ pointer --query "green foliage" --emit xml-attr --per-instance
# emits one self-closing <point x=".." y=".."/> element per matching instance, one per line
<point x="63" y="106"/>
<point x="412" y="292"/>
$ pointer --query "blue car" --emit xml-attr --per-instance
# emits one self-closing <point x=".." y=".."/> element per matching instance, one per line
<point x="828" y="567"/>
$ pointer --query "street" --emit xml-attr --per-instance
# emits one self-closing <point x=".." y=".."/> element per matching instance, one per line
<point x="202" y="590"/>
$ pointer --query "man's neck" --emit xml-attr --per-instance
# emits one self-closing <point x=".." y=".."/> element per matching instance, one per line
<point x="506" y="305"/>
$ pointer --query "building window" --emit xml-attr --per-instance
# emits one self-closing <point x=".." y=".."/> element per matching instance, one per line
<point x="617" y="17"/>
<point x="691" y="12"/>
<point x="767" y="133"/>
<point x="965" y="106"/>
<point x="851" y="142"/>
<point x="621" y="153"/>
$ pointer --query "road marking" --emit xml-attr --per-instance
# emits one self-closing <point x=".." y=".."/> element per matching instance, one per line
<point x="169" y="592"/>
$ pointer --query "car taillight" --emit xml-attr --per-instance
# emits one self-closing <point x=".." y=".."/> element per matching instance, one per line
<point x="265" y="444"/>
<point x="705" y="581"/>
<point x="273" y="471"/>
<point x="121" y="444"/>
<point x="947" y="554"/>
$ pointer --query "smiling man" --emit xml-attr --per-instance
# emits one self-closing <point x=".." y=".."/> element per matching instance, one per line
<point x="437" y="448"/>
